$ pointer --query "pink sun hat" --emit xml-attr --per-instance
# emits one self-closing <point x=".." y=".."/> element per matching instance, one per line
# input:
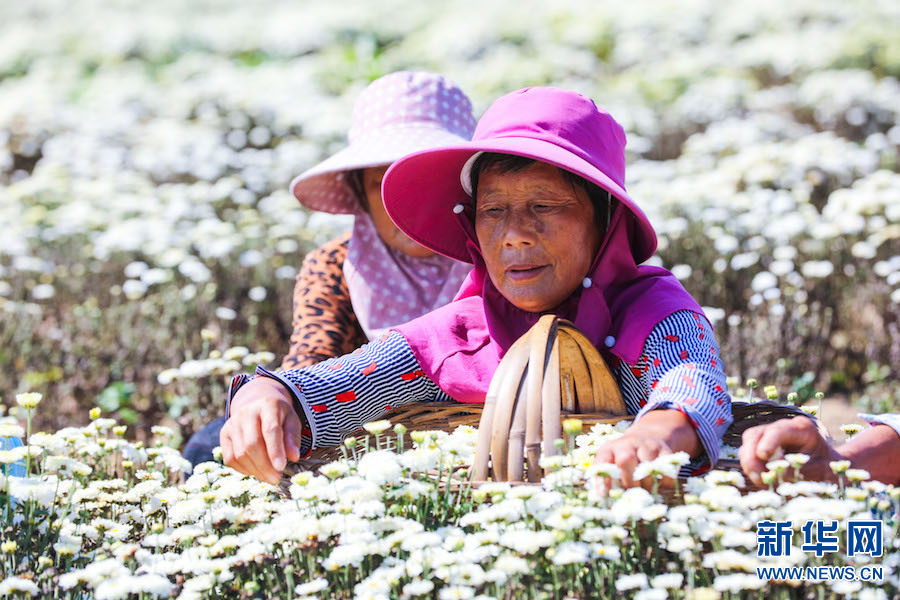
<point x="422" y="191"/>
<point x="396" y="115"/>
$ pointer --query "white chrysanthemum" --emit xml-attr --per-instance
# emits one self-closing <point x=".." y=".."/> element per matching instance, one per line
<point x="9" y="457"/>
<point x="67" y="545"/>
<point x="857" y="475"/>
<point x="719" y="477"/>
<point x="28" y="400"/>
<point x="189" y="510"/>
<point x="630" y="505"/>
<point x="420" y="460"/>
<point x="380" y="467"/>
<point x="564" y="519"/>
<point x="667" y="580"/>
<point x="606" y="551"/>
<point x="570" y="553"/>
<point x="512" y="564"/>
<point x="335" y="469"/>
<point x="687" y="512"/>
<point x="730" y="560"/>
<point x="311" y="587"/>
<point x="737" y="583"/>
<point x="527" y="542"/>
<point x="419" y="587"/>
<point x="235" y="353"/>
<point x="41" y="491"/>
<point x="369" y="509"/>
<point x="10" y="429"/>
<point x="610" y="534"/>
<point x="653" y="512"/>
<point x="456" y="592"/>
<point x="744" y="539"/>
<point x="679" y="544"/>
<point x="652" y="594"/>
<point x="638" y="581"/>
<point x="345" y="555"/>
<point x="18" y="585"/>
<point x="761" y="498"/>
<point x="154" y="585"/>
<point x="658" y="467"/>
<point x="721" y="497"/>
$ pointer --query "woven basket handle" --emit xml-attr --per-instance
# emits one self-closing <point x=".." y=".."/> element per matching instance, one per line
<point x="551" y="369"/>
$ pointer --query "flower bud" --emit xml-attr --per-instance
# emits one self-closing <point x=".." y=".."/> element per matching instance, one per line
<point x="377" y="427"/>
<point x="572" y="426"/>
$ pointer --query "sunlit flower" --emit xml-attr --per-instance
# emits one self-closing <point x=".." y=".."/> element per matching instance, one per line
<point x="29" y="400"/>
<point x="312" y="587"/>
<point x="18" y="585"/>
<point x="631" y="582"/>
<point x="858" y="475"/>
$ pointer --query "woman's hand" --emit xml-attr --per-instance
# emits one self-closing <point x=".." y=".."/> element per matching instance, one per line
<point x="765" y="443"/>
<point x="658" y="432"/>
<point x="875" y="450"/>
<point x="263" y="431"/>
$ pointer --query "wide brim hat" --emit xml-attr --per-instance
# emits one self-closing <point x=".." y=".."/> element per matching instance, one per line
<point x="423" y="191"/>
<point x="396" y="115"/>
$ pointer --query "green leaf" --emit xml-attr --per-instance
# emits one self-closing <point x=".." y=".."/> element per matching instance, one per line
<point x="116" y="396"/>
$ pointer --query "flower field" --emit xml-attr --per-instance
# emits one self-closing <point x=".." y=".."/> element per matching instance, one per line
<point x="106" y="518"/>
<point x="150" y="245"/>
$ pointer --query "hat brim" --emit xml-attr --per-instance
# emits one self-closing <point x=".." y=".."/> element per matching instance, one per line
<point x="420" y="191"/>
<point x="322" y="188"/>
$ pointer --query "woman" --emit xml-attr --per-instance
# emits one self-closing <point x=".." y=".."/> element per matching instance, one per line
<point x="536" y="203"/>
<point x="876" y="449"/>
<point x="353" y="288"/>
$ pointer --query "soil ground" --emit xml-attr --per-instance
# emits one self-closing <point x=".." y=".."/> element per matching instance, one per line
<point x="837" y="411"/>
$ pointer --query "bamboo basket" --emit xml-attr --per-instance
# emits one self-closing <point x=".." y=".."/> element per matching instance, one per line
<point x="550" y="374"/>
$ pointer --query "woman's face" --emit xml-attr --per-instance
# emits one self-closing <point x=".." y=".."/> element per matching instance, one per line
<point x="392" y="236"/>
<point x="537" y="234"/>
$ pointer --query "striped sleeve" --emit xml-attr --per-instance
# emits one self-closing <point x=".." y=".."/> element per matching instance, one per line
<point x="338" y="396"/>
<point x="680" y="368"/>
<point x="891" y="420"/>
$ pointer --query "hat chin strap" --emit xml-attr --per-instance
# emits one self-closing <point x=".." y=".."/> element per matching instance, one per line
<point x="465" y="175"/>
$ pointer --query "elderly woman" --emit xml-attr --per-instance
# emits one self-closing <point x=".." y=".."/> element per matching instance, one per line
<point x="352" y="289"/>
<point x="536" y="204"/>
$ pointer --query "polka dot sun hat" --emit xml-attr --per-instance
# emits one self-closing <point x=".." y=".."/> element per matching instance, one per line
<point x="396" y="115"/>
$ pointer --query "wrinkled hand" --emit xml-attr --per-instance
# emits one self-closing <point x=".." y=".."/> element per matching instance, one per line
<point x="627" y="453"/>
<point x="765" y="443"/>
<point x="657" y="433"/>
<point x="262" y="432"/>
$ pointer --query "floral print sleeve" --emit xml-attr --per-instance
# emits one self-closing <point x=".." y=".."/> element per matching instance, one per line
<point x="680" y="368"/>
<point x="891" y="420"/>
<point x="335" y="398"/>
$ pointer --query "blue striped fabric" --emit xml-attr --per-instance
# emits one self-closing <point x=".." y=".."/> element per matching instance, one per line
<point x="680" y="369"/>
<point x="889" y="419"/>
<point x="16" y="469"/>
<point x="342" y="394"/>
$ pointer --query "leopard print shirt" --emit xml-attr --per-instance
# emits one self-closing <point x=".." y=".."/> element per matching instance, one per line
<point x="324" y="325"/>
